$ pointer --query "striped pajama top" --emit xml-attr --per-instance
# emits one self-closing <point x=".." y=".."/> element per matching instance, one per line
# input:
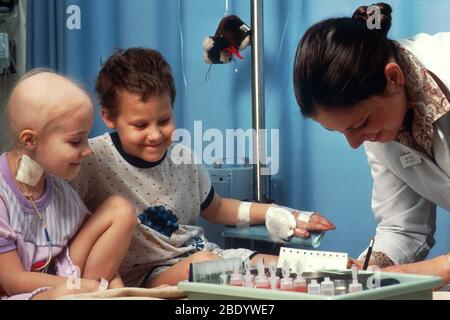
<point x="20" y="227"/>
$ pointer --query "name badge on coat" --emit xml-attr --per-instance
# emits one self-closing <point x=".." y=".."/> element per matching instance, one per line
<point x="409" y="160"/>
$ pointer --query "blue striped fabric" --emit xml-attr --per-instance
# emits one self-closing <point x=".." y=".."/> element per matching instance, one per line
<point x="60" y="205"/>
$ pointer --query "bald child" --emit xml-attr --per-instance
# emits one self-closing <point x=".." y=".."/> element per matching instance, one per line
<point x="50" y="244"/>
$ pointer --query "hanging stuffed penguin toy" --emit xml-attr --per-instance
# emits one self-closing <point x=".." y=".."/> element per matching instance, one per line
<point x="231" y="37"/>
<point x="7" y="6"/>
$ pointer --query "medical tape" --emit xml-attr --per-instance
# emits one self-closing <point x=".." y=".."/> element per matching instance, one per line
<point x="243" y="216"/>
<point x="304" y="216"/>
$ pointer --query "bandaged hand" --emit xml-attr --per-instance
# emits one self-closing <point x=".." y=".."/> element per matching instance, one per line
<point x="283" y="223"/>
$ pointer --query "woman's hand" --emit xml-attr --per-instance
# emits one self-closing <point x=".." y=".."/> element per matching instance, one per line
<point x="360" y="264"/>
<point x="439" y="266"/>
<point x="316" y="223"/>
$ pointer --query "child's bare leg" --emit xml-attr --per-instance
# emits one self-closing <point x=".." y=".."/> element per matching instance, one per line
<point x="180" y="271"/>
<point x="101" y="244"/>
<point x="268" y="258"/>
<point x="116" y="282"/>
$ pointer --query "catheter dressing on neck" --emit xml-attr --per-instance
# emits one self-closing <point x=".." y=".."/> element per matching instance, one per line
<point x="29" y="171"/>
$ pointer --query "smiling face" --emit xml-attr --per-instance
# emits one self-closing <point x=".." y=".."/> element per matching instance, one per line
<point x="61" y="149"/>
<point x="377" y="119"/>
<point x="145" y="127"/>
<point x="50" y="117"/>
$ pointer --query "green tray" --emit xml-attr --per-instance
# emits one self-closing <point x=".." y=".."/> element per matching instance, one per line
<point x="411" y="287"/>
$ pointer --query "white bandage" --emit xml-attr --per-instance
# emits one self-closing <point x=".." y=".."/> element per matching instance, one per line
<point x="303" y="216"/>
<point x="243" y="216"/>
<point x="280" y="223"/>
<point x="29" y="171"/>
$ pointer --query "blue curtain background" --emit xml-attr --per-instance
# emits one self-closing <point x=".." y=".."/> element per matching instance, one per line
<point x="318" y="170"/>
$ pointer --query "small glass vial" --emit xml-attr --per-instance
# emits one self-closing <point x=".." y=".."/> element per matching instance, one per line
<point x="224" y="279"/>
<point x="261" y="280"/>
<point x="314" y="287"/>
<point x="274" y="280"/>
<point x="299" y="281"/>
<point x="248" y="277"/>
<point x="327" y="287"/>
<point x="236" y="278"/>
<point x="355" y="286"/>
<point x="286" y="283"/>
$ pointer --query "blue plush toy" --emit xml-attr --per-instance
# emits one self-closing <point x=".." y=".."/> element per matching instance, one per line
<point x="160" y="219"/>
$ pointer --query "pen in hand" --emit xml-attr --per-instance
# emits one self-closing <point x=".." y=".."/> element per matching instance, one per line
<point x="369" y="253"/>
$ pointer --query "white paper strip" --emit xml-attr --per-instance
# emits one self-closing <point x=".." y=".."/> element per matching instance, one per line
<point x="313" y="260"/>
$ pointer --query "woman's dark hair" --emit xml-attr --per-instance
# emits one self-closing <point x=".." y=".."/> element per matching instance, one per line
<point x="340" y="61"/>
<point x="137" y="70"/>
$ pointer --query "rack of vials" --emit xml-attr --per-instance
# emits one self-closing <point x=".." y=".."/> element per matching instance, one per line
<point x="230" y="279"/>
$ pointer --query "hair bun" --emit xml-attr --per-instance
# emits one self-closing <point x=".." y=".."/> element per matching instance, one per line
<point x="362" y="15"/>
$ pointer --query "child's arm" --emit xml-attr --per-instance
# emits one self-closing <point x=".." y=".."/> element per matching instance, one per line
<point x="225" y="211"/>
<point x="15" y="280"/>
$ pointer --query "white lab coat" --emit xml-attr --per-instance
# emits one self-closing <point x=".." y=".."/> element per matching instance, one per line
<point x="404" y="199"/>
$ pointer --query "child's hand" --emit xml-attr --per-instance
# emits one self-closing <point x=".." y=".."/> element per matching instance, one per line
<point x="83" y="286"/>
<point x="284" y="222"/>
<point x="316" y="223"/>
<point x="88" y="285"/>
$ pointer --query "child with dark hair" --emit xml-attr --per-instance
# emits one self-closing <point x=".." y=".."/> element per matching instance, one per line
<point x="392" y="96"/>
<point x="136" y="92"/>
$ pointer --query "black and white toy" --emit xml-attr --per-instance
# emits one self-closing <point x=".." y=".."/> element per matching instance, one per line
<point x="231" y="37"/>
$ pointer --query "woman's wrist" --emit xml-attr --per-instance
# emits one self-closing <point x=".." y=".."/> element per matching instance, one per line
<point x="446" y="268"/>
<point x="381" y="259"/>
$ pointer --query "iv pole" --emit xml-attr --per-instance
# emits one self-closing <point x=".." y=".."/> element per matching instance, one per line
<point x="258" y="106"/>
